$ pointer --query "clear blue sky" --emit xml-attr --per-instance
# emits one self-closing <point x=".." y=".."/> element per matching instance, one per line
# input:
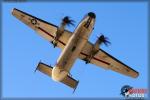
<point x="125" y="24"/>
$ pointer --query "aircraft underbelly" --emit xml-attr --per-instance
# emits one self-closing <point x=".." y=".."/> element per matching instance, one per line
<point x="72" y="50"/>
<point x="73" y="53"/>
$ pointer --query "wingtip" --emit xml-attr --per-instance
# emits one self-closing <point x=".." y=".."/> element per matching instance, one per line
<point x="136" y="75"/>
<point x="12" y="11"/>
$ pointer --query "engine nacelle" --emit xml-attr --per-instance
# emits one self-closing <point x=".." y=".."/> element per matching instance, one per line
<point x="95" y="48"/>
<point x="65" y="21"/>
<point x="99" y="41"/>
<point x="60" y="30"/>
<point x="63" y="24"/>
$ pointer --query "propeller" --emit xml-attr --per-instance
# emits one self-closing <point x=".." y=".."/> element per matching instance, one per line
<point x="104" y="40"/>
<point x="68" y="21"/>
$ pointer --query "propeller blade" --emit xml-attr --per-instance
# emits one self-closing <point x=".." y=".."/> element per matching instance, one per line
<point x="104" y="40"/>
<point x="68" y="21"/>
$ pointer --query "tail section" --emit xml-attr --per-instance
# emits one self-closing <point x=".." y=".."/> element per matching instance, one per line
<point x="46" y="69"/>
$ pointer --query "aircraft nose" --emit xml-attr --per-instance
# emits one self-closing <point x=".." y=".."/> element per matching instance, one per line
<point x="92" y="15"/>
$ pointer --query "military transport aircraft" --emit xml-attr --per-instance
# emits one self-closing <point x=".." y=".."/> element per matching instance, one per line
<point x="74" y="45"/>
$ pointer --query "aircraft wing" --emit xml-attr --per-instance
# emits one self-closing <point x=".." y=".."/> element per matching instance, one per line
<point x="45" y="29"/>
<point x="107" y="61"/>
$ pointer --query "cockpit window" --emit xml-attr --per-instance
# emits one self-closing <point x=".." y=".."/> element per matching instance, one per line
<point x="87" y="24"/>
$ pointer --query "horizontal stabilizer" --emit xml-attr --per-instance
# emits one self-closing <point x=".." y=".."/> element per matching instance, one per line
<point x="68" y="80"/>
<point x="44" y="68"/>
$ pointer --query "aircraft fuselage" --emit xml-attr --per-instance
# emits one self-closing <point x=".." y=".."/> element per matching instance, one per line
<point x="73" y="48"/>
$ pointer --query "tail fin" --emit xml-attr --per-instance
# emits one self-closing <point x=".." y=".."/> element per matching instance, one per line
<point x="46" y="69"/>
